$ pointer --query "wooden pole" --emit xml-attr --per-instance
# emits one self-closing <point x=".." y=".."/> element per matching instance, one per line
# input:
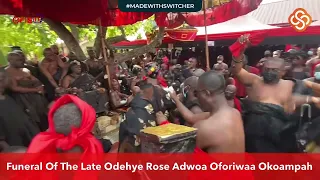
<point x="104" y="54"/>
<point x="206" y="35"/>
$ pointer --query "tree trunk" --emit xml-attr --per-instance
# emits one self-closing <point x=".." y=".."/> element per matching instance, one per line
<point x="139" y="51"/>
<point x="67" y="37"/>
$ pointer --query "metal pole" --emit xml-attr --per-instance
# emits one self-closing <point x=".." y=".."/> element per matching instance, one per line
<point x="206" y="35"/>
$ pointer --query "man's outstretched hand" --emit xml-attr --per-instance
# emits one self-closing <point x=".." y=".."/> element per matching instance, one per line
<point x="160" y="117"/>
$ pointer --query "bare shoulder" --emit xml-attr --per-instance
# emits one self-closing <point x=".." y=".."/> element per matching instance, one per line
<point x="288" y="83"/>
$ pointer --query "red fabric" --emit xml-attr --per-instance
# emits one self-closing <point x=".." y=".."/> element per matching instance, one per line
<point x="90" y="12"/>
<point x="202" y="157"/>
<point x="140" y="42"/>
<point x="49" y="141"/>
<point x="74" y="11"/>
<point x="313" y="68"/>
<point x="214" y="15"/>
<point x="164" y="122"/>
<point x="162" y="82"/>
<point x="237" y="104"/>
<point x="182" y="34"/>
<point x="237" y="48"/>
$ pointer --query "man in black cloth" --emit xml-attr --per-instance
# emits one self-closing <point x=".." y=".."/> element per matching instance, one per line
<point x="266" y="119"/>
<point x="27" y="91"/>
<point x="190" y="100"/>
<point x="15" y="128"/>
<point x="146" y="110"/>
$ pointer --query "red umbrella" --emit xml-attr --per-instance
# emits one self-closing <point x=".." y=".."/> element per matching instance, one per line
<point x="91" y="11"/>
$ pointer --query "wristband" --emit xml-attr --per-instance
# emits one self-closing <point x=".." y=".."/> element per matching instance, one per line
<point x="164" y="122"/>
<point x="234" y="60"/>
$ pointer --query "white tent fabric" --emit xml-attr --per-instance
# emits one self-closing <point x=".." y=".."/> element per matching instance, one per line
<point x="239" y="24"/>
<point x="316" y="23"/>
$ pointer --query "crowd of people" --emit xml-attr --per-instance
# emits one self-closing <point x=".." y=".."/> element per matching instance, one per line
<point x="235" y="108"/>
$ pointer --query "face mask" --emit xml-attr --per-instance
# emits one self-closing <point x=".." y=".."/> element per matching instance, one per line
<point x="317" y="75"/>
<point x="310" y="53"/>
<point x="270" y="76"/>
<point x="184" y="91"/>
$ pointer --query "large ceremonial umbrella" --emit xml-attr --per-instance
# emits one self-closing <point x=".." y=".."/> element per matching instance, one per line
<point x="106" y="13"/>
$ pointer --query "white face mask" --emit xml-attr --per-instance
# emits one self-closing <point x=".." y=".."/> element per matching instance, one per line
<point x="310" y="53"/>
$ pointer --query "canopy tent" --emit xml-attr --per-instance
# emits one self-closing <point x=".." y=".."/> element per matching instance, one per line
<point x="234" y="28"/>
<point x="316" y="23"/>
<point x="239" y="24"/>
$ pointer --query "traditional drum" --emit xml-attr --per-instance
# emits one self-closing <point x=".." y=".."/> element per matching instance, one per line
<point x="169" y="138"/>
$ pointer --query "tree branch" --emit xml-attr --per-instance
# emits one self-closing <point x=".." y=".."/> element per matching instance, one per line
<point x="139" y="51"/>
<point x="67" y="37"/>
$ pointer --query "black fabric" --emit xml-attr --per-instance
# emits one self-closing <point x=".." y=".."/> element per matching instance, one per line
<point x="268" y="129"/>
<point x="189" y="105"/>
<point x="35" y="105"/>
<point x="84" y="81"/>
<point x="139" y="116"/>
<point x="16" y="128"/>
<point x="106" y="144"/>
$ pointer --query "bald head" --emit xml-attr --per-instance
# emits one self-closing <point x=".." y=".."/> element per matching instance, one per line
<point x="230" y="91"/>
<point x="267" y="53"/>
<point x="66" y="117"/>
<point x="212" y="81"/>
<point x="191" y="82"/>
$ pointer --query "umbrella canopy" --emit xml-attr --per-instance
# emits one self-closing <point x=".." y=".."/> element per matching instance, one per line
<point x="91" y="12"/>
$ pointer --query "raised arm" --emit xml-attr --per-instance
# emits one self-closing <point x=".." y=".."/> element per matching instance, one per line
<point x="43" y="66"/>
<point x="239" y="72"/>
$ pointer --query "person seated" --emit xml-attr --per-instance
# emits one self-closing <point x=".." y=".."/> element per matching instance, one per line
<point x="15" y="127"/>
<point x="85" y="86"/>
<point x="27" y="91"/>
<point x="118" y="99"/>
<point x="71" y="122"/>
<point x="78" y="79"/>
<point x="95" y="66"/>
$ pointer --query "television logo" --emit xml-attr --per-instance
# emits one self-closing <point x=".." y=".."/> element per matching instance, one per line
<point x="29" y="20"/>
